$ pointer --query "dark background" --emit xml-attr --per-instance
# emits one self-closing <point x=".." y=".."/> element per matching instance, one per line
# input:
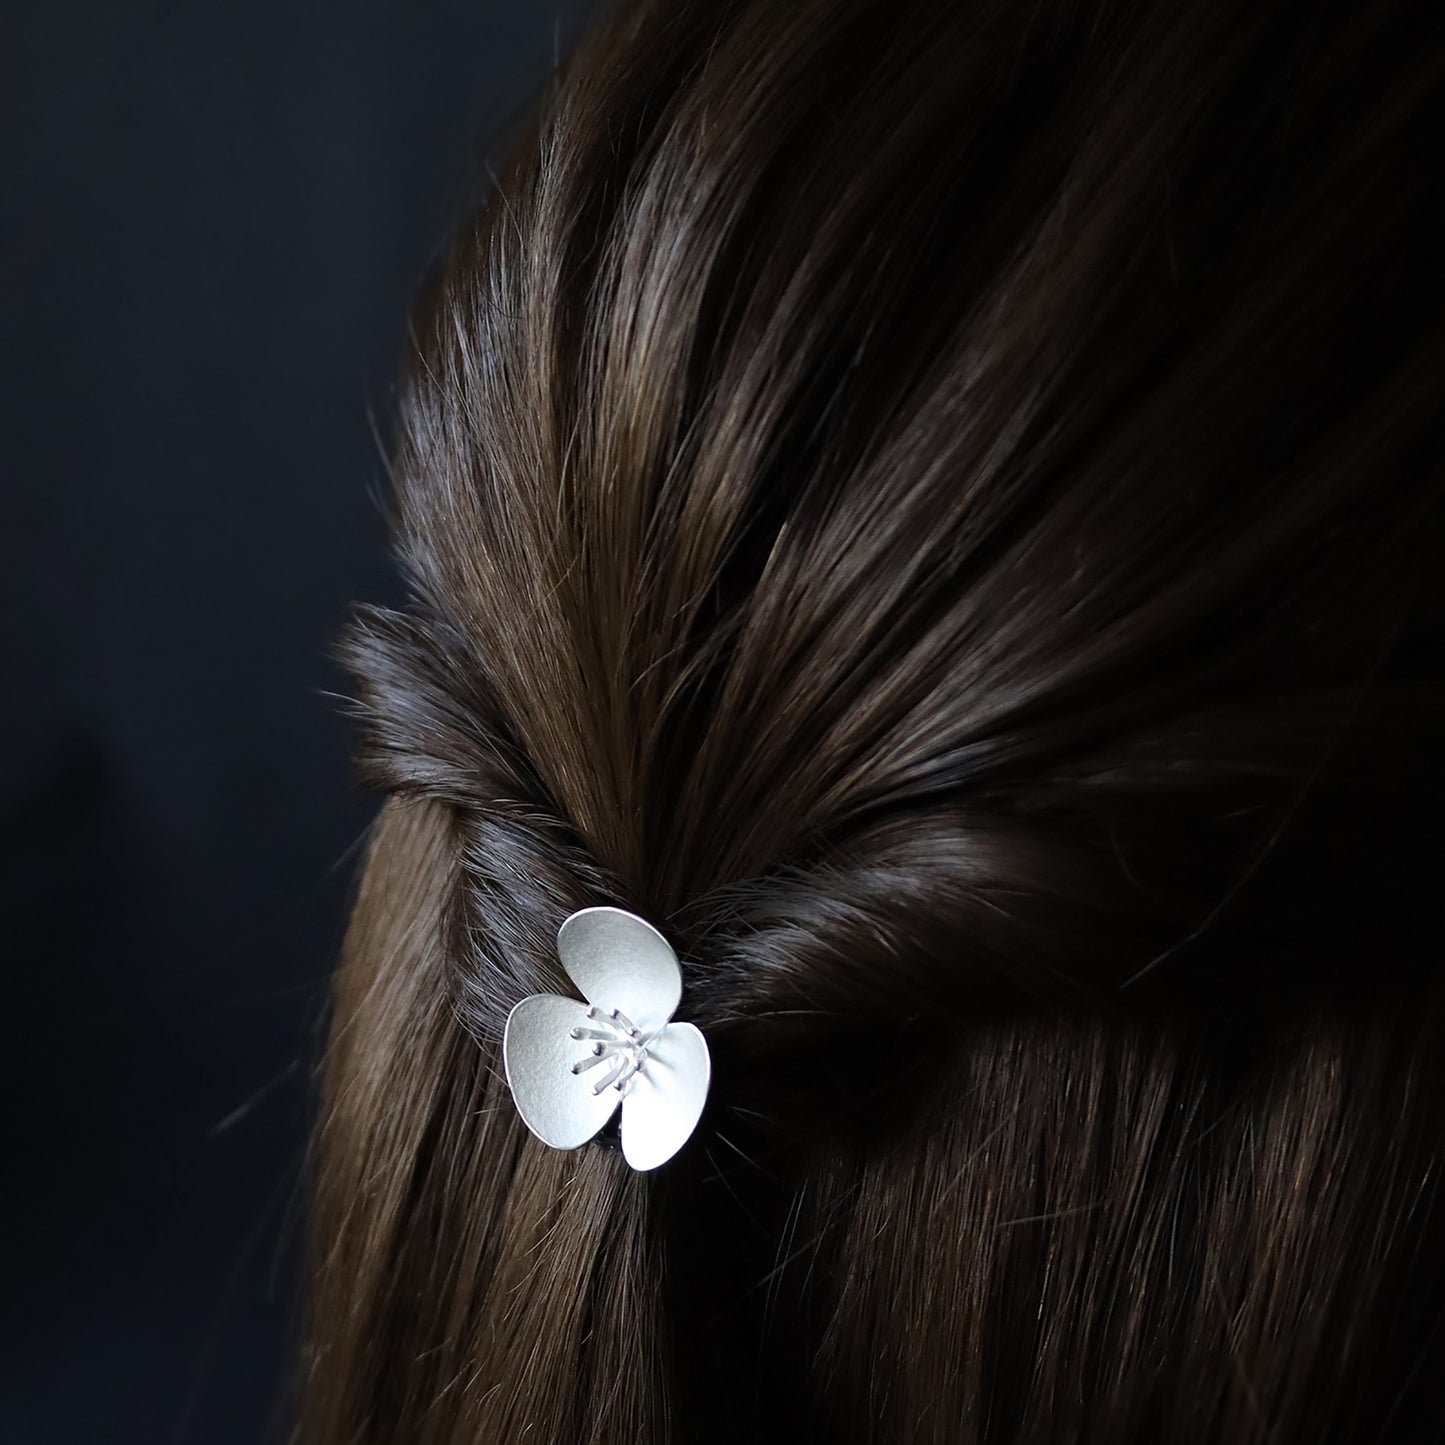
<point x="214" y="219"/>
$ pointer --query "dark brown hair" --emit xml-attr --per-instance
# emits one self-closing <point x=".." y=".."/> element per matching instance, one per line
<point x="936" y="504"/>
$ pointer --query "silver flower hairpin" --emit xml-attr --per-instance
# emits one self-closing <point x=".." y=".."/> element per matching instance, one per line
<point x="569" y="1065"/>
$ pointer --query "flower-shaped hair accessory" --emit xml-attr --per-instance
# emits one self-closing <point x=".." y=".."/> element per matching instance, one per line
<point x="569" y="1064"/>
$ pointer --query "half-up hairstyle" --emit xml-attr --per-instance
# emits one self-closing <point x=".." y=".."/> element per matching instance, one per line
<point x="937" y="505"/>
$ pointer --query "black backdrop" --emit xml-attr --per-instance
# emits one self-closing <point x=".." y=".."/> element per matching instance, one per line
<point x="213" y="217"/>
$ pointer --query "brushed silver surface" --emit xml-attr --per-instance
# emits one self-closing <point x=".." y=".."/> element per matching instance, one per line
<point x="621" y="961"/>
<point x="664" y="1103"/>
<point x="538" y="1052"/>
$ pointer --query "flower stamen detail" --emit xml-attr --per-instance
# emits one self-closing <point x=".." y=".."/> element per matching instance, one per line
<point x="619" y="1040"/>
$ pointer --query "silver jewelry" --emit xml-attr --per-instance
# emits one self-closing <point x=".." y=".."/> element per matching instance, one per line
<point x="570" y="1065"/>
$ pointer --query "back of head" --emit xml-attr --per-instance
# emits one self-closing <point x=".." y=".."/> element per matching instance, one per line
<point x="936" y="505"/>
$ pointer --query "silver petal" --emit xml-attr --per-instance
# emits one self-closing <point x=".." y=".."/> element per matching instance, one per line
<point x="620" y="961"/>
<point x="538" y="1052"/>
<point x="664" y="1102"/>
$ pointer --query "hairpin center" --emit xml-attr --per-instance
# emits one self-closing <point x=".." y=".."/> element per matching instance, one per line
<point x="616" y="1041"/>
